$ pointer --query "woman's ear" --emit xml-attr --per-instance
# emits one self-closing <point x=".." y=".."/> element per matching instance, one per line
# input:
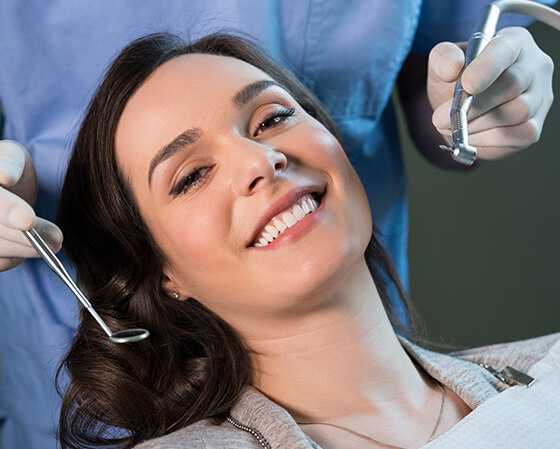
<point x="172" y="289"/>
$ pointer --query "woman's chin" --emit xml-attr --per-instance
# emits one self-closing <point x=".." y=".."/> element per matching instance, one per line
<point x="314" y="280"/>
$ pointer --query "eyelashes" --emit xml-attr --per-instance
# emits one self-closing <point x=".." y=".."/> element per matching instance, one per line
<point x="191" y="180"/>
<point x="196" y="177"/>
<point x="274" y="119"/>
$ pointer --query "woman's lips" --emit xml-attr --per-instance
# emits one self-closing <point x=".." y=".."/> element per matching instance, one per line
<point x="285" y="220"/>
<point x="282" y="204"/>
<point x="292" y="223"/>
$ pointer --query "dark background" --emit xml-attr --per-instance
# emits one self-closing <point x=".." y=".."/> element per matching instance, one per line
<point x="484" y="247"/>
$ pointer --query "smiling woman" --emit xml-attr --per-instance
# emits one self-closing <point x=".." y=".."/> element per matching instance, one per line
<point x="217" y="208"/>
<point x="193" y="163"/>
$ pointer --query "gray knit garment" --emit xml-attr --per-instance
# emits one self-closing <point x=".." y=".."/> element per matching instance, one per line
<point x="268" y="425"/>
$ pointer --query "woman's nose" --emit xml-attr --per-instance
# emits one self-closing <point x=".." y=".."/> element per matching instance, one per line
<point x="256" y="164"/>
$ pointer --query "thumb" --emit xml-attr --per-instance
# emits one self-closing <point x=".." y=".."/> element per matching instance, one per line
<point x="12" y="162"/>
<point x="17" y="173"/>
<point x="446" y="61"/>
<point x="50" y="232"/>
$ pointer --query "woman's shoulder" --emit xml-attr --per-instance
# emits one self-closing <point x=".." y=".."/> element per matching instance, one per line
<point x="204" y="434"/>
<point x="464" y="372"/>
<point x="522" y="354"/>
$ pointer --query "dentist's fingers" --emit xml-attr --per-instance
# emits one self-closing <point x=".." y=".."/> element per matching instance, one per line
<point x="15" y="248"/>
<point x="7" y="263"/>
<point x="15" y="212"/>
<point x="512" y="81"/>
<point x="498" y="55"/>
<point x="49" y="231"/>
<point x="501" y="142"/>
<point x="514" y="112"/>
<point x="498" y="142"/>
<point x="12" y="162"/>
<point x="18" y="188"/>
<point x="21" y="180"/>
<point x="445" y="62"/>
<point x="494" y="139"/>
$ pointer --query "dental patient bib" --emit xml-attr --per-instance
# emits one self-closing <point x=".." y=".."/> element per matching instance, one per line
<point x="518" y="418"/>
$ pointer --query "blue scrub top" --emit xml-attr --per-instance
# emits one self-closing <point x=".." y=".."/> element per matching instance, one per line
<point x="53" y="54"/>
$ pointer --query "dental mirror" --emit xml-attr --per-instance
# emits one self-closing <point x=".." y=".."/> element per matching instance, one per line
<point x="129" y="335"/>
<point x="54" y="263"/>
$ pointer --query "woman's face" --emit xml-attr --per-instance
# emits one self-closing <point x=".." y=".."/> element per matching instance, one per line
<point x="221" y="160"/>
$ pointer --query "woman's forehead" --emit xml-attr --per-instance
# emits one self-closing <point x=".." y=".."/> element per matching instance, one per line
<point x="203" y="71"/>
<point x="192" y="85"/>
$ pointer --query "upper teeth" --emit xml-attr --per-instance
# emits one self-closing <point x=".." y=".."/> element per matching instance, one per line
<point x="305" y="205"/>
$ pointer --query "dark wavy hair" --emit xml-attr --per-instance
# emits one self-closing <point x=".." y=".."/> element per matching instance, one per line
<point x="194" y="365"/>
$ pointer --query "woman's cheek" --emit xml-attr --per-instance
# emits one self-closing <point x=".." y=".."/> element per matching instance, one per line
<point x="320" y="143"/>
<point x="200" y="231"/>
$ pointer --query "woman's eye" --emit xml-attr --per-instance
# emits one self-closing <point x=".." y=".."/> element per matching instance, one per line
<point x="273" y="120"/>
<point x="190" y="180"/>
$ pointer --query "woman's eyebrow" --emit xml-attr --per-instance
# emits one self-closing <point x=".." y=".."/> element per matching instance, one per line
<point x="250" y="91"/>
<point x="190" y="136"/>
<point x="184" y="139"/>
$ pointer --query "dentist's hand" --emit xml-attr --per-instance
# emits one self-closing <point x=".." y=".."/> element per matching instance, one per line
<point x="18" y="189"/>
<point x="512" y="81"/>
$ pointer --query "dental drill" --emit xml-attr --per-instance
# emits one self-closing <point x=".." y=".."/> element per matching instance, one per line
<point x="484" y="31"/>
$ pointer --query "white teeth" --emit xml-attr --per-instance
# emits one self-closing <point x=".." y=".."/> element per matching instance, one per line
<point x="298" y="212"/>
<point x="305" y="205"/>
<point x="279" y="225"/>
<point x="288" y="219"/>
<point x="271" y="230"/>
<point x="313" y="205"/>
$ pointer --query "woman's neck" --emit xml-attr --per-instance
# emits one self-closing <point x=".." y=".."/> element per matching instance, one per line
<point x="346" y="361"/>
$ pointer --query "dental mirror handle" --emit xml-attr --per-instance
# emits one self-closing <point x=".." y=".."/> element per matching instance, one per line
<point x="56" y="266"/>
<point x="54" y="263"/>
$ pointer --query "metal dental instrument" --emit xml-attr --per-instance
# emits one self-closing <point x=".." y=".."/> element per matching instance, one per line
<point x="484" y="31"/>
<point x="54" y="263"/>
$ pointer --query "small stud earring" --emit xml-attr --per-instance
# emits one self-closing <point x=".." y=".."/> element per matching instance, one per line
<point x="176" y="295"/>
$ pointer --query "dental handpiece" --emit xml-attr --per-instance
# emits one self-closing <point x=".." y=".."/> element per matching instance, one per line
<point x="484" y="31"/>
